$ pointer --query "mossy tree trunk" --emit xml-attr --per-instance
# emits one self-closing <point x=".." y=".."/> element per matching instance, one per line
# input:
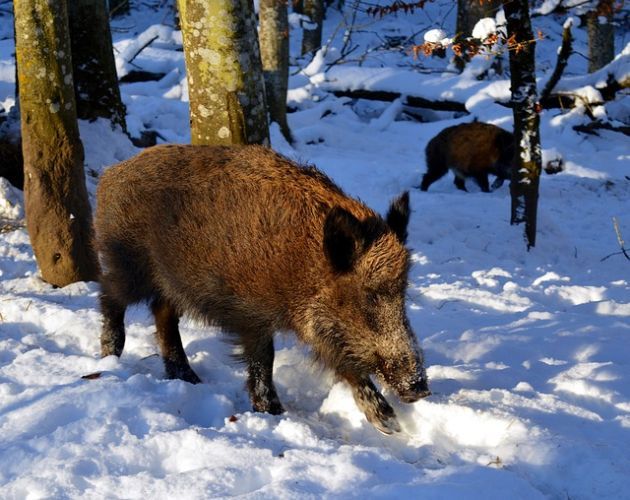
<point x="93" y="66"/>
<point x="528" y="156"/>
<point x="274" y="50"/>
<point x="225" y="82"/>
<point x="58" y="213"/>
<point x="312" y="38"/>
<point x="601" y="35"/>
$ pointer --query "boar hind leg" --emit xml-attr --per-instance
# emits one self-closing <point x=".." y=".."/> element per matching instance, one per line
<point x="113" y="332"/>
<point x="259" y="356"/>
<point x="375" y="407"/>
<point x="482" y="181"/>
<point x="498" y="182"/>
<point x="431" y="176"/>
<point x="173" y="355"/>
<point x="460" y="183"/>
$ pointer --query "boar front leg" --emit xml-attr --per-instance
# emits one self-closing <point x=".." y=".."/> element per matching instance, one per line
<point x="173" y="355"/>
<point x="372" y="403"/>
<point x="259" y="354"/>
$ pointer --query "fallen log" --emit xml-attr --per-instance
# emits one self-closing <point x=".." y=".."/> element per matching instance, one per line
<point x="413" y="101"/>
<point x="593" y="127"/>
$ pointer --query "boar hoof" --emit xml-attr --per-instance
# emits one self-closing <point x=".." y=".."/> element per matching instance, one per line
<point x="273" y="407"/>
<point x="185" y="373"/>
<point x="111" y="345"/>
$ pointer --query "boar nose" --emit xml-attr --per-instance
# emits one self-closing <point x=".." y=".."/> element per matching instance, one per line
<point x="418" y="390"/>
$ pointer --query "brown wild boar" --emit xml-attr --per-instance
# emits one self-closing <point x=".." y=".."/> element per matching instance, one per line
<point x="470" y="150"/>
<point x="245" y="239"/>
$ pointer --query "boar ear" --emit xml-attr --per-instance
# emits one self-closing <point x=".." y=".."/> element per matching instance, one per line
<point x="342" y="238"/>
<point x="398" y="216"/>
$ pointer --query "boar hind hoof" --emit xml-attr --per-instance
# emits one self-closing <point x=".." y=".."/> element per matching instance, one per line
<point x="273" y="407"/>
<point x="184" y="373"/>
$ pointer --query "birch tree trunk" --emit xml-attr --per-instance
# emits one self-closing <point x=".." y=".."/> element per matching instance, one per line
<point x="93" y="66"/>
<point x="274" y="50"/>
<point x="312" y="38"/>
<point x="58" y="213"/>
<point x="528" y="157"/>
<point x="225" y="83"/>
<point x="601" y="36"/>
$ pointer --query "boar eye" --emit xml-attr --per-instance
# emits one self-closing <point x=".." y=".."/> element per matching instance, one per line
<point x="372" y="298"/>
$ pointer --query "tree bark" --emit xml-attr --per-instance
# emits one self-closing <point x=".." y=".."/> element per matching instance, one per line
<point x="93" y="66"/>
<point x="225" y="82"/>
<point x="274" y="51"/>
<point x="528" y="156"/>
<point x="312" y="38"/>
<point x="58" y="213"/>
<point x="601" y="36"/>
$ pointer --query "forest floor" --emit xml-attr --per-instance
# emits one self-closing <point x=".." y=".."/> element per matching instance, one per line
<point x="528" y="353"/>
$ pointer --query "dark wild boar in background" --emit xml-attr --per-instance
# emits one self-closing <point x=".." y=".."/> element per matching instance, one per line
<point x="243" y="238"/>
<point x="470" y="150"/>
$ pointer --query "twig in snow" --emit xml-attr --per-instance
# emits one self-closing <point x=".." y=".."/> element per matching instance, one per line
<point x="620" y="238"/>
<point x="341" y="58"/>
<point x="624" y="251"/>
<point x="153" y="39"/>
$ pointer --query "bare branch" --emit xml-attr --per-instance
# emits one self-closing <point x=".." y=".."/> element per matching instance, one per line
<point x="561" y="63"/>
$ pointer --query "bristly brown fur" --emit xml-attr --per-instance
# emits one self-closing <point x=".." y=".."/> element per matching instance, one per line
<point x="246" y="239"/>
<point x="470" y="150"/>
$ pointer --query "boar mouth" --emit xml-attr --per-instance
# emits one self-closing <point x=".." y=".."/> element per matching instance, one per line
<point x="419" y="390"/>
<point x="412" y="398"/>
<point x="407" y="392"/>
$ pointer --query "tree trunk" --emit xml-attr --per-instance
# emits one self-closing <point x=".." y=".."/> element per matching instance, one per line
<point x="225" y="83"/>
<point x="58" y="213"/>
<point x="274" y="50"/>
<point x="93" y="66"/>
<point x="528" y="156"/>
<point x="601" y="36"/>
<point x="469" y="12"/>
<point x="312" y="38"/>
<point x="11" y="161"/>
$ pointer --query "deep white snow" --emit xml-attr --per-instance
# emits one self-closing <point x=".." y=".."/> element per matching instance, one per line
<point x="528" y="353"/>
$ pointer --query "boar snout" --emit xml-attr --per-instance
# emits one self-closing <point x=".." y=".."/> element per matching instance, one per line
<point x="417" y="391"/>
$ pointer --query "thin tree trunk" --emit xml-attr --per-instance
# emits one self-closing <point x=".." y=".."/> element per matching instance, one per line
<point x="469" y="12"/>
<point x="312" y="38"/>
<point x="11" y="161"/>
<point x="225" y="83"/>
<point x="93" y="66"/>
<point x="274" y="51"/>
<point x="58" y="213"/>
<point x="528" y="157"/>
<point x="601" y="36"/>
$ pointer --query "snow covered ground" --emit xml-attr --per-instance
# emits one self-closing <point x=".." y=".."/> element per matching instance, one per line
<point x="528" y="353"/>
